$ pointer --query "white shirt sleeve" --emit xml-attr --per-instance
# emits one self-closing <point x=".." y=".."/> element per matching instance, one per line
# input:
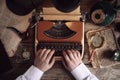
<point x="82" y="73"/>
<point x="32" y="73"/>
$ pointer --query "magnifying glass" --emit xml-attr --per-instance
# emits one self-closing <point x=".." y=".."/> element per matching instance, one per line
<point x="97" y="41"/>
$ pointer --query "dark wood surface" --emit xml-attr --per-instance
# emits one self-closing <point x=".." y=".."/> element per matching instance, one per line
<point x="21" y="63"/>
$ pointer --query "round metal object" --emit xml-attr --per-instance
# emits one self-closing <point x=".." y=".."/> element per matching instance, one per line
<point x="102" y="13"/>
<point x="26" y="55"/>
<point x="98" y="16"/>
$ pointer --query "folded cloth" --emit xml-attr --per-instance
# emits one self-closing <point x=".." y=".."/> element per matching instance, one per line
<point x="10" y="41"/>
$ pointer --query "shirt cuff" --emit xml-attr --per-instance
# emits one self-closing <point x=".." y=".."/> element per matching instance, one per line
<point x="81" y="72"/>
<point x="33" y="73"/>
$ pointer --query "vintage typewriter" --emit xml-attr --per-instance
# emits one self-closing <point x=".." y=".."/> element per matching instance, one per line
<point x="59" y="31"/>
<point x="59" y="36"/>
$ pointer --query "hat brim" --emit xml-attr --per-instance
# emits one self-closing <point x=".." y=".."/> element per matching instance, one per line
<point x="65" y="6"/>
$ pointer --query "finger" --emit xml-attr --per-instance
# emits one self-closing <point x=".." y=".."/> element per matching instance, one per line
<point x="78" y="53"/>
<point x="50" y="54"/>
<point x="67" y="59"/>
<point x="46" y="52"/>
<point x="38" y="52"/>
<point x="70" y="54"/>
<point x="42" y="52"/>
<point x="74" y="53"/>
<point x="52" y="62"/>
<point x="79" y="57"/>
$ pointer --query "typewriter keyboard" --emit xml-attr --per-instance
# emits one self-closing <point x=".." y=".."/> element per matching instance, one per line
<point x="60" y="46"/>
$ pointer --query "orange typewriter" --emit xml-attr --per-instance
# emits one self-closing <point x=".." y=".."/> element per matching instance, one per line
<point x="60" y="31"/>
<point x="60" y="36"/>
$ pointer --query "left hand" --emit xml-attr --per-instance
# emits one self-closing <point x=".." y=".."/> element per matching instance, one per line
<point x="44" y="60"/>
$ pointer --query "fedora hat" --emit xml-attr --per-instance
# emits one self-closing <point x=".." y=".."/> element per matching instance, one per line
<point x="66" y="5"/>
<point x="22" y="7"/>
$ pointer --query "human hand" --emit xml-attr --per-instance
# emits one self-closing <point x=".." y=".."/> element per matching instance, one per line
<point x="71" y="59"/>
<point x="44" y="60"/>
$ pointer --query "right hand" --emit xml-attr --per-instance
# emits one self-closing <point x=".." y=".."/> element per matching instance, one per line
<point x="44" y="60"/>
<point x="72" y="59"/>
